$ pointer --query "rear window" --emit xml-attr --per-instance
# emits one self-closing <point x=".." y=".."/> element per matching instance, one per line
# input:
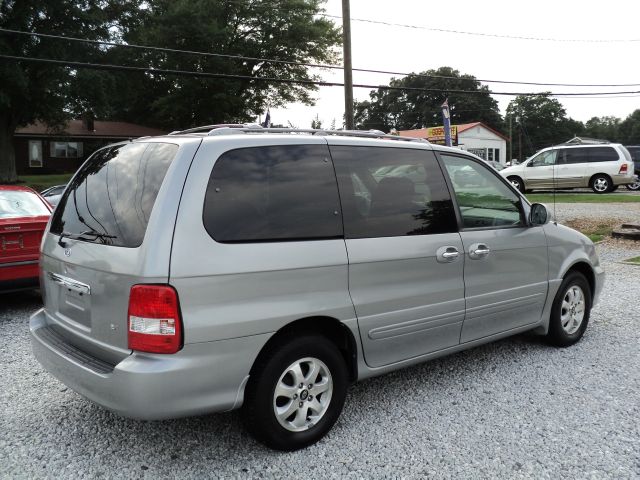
<point x="635" y="153"/>
<point x="111" y="197"/>
<point x="15" y="203"/>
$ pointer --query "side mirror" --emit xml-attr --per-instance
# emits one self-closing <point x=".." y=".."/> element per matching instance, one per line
<point x="539" y="215"/>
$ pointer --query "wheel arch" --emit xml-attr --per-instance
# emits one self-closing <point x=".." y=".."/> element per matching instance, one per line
<point x="585" y="269"/>
<point x="328" y="327"/>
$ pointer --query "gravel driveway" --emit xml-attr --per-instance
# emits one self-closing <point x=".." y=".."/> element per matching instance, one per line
<point x="622" y="212"/>
<point x="513" y="409"/>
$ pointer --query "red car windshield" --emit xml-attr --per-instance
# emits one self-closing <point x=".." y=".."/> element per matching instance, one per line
<point x="16" y="203"/>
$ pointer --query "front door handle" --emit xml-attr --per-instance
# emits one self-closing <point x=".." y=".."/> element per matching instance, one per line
<point x="478" y="251"/>
<point x="447" y="254"/>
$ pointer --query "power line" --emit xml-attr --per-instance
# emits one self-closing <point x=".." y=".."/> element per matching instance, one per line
<point x="305" y="64"/>
<point x="481" y="34"/>
<point x="102" y="66"/>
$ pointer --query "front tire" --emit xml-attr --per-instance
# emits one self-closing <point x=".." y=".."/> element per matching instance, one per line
<point x="296" y="392"/>
<point x="601" y="183"/>
<point x="634" y="187"/>
<point x="570" y="311"/>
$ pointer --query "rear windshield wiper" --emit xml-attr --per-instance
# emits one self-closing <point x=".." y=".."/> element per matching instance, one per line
<point x="86" y="235"/>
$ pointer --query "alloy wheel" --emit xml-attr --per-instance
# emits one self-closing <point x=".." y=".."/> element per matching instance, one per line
<point x="572" y="309"/>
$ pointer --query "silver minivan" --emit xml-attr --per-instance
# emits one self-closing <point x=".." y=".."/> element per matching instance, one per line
<point x="219" y="268"/>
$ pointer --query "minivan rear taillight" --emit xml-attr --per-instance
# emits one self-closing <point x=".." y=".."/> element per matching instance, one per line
<point x="154" y="319"/>
<point x="623" y="168"/>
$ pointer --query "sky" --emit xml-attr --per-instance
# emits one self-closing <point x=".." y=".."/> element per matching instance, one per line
<point x="393" y="48"/>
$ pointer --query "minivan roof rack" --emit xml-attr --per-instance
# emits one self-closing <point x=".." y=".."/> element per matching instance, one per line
<point x="241" y="128"/>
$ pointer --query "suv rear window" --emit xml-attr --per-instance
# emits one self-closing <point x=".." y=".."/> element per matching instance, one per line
<point x="271" y="194"/>
<point x="111" y="197"/>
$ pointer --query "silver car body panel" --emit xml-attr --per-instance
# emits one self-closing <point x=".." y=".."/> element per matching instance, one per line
<point x="400" y="304"/>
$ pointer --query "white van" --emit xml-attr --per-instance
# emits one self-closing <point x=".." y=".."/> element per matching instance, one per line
<point x="601" y="167"/>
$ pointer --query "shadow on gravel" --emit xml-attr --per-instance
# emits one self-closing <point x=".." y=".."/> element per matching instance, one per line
<point x="21" y="299"/>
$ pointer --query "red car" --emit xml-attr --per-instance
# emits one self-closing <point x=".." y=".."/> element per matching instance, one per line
<point x="23" y="217"/>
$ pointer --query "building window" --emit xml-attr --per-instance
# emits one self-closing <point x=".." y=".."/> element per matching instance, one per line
<point x="35" y="153"/>
<point x="66" y="149"/>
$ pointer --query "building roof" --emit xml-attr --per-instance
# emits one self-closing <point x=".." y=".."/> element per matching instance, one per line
<point x="77" y="128"/>
<point x="468" y="126"/>
<point x="463" y="127"/>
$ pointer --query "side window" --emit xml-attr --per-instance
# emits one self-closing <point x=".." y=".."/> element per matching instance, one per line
<point x="544" y="159"/>
<point x="483" y="199"/>
<point x="391" y="192"/>
<point x="603" y="154"/>
<point x="575" y="155"/>
<point x="274" y="193"/>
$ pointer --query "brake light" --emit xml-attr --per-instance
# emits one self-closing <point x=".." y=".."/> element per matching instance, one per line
<point x="623" y="168"/>
<point x="154" y="319"/>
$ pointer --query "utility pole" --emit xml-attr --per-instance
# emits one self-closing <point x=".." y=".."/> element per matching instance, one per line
<point x="510" y="153"/>
<point x="348" y="78"/>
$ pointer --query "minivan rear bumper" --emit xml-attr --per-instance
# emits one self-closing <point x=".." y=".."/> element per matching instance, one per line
<point x="201" y="378"/>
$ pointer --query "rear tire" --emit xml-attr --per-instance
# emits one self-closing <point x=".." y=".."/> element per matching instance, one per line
<point x="634" y="187"/>
<point x="570" y="311"/>
<point x="601" y="183"/>
<point x="280" y="409"/>
<point x="517" y="183"/>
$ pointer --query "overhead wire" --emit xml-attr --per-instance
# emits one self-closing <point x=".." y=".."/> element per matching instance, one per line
<point x="102" y="66"/>
<point x="305" y="64"/>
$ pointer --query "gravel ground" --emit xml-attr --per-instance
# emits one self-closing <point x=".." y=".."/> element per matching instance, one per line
<point x="513" y="409"/>
<point x="622" y="212"/>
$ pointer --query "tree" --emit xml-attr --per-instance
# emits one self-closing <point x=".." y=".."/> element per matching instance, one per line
<point x="605" y="128"/>
<point x="33" y="91"/>
<point x="316" y="123"/>
<point x="407" y="109"/>
<point x="292" y="32"/>
<point x="539" y="121"/>
<point x="630" y="129"/>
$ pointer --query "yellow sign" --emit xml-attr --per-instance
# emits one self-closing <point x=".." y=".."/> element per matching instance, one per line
<point x="436" y="135"/>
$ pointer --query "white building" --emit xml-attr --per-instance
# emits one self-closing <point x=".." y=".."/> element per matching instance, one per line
<point x="476" y="138"/>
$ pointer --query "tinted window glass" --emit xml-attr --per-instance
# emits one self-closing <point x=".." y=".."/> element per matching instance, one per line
<point x="389" y="192"/>
<point x="16" y="203"/>
<point x="113" y="194"/>
<point x="603" y="154"/>
<point x="484" y="200"/>
<point x="273" y="194"/>
<point x="574" y="155"/>
<point x="635" y="153"/>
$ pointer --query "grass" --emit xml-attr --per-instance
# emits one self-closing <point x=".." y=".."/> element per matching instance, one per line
<point x="583" y="198"/>
<point x="635" y="260"/>
<point x="40" y="182"/>
<point x="596" y="230"/>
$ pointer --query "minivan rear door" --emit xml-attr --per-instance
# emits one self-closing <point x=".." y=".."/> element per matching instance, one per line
<point x="98" y="246"/>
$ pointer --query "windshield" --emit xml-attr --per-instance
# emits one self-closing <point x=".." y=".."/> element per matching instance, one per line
<point x="16" y="203"/>
<point x="111" y="197"/>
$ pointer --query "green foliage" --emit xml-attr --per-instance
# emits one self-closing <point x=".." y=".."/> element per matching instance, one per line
<point x="630" y="129"/>
<point x="316" y="123"/>
<point x="40" y="182"/>
<point x="603" y="128"/>
<point x="33" y="91"/>
<point x="291" y="32"/>
<point x="403" y="110"/>
<point x="538" y="122"/>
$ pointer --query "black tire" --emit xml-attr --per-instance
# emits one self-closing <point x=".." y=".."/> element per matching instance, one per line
<point x="601" y="183"/>
<point x="260" y="402"/>
<point x="560" y="335"/>
<point x="634" y="187"/>
<point x="517" y="183"/>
